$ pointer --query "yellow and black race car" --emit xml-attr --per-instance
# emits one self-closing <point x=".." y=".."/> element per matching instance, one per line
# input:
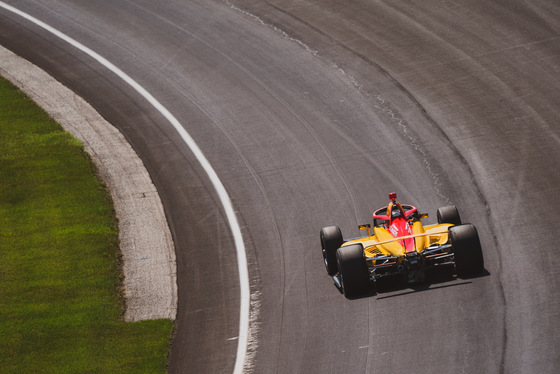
<point x="400" y="245"/>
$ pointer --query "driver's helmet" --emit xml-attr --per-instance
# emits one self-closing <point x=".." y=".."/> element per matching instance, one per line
<point x="396" y="212"/>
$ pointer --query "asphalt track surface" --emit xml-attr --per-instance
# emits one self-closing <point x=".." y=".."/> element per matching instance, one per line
<point x="311" y="112"/>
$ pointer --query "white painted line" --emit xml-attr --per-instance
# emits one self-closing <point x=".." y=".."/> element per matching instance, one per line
<point x="216" y="182"/>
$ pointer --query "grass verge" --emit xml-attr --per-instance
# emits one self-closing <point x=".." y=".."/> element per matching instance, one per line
<point x="60" y="301"/>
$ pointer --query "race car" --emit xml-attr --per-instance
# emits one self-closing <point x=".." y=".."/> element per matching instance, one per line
<point x="400" y="246"/>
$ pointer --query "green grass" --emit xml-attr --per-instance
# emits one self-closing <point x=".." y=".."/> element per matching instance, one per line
<point x="60" y="302"/>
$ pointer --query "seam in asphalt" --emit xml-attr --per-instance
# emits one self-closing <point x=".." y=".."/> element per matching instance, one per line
<point x="148" y="252"/>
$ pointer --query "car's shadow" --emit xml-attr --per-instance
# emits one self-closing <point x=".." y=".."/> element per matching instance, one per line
<point x="435" y="279"/>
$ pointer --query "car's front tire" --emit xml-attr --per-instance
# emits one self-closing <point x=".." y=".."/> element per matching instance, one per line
<point x="467" y="250"/>
<point x="448" y="214"/>
<point x="331" y="240"/>
<point x="353" y="270"/>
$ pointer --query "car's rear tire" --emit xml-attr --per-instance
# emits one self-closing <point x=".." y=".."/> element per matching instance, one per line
<point x="331" y="240"/>
<point x="353" y="270"/>
<point x="448" y="214"/>
<point x="467" y="250"/>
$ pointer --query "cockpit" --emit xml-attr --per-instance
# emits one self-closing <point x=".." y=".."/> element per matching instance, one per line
<point x="384" y="216"/>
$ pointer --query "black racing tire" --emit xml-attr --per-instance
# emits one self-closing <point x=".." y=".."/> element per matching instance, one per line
<point x="331" y="240"/>
<point x="467" y="250"/>
<point x="448" y="214"/>
<point x="353" y="270"/>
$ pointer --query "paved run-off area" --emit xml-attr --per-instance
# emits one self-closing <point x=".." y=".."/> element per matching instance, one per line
<point x="150" y="286"/>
